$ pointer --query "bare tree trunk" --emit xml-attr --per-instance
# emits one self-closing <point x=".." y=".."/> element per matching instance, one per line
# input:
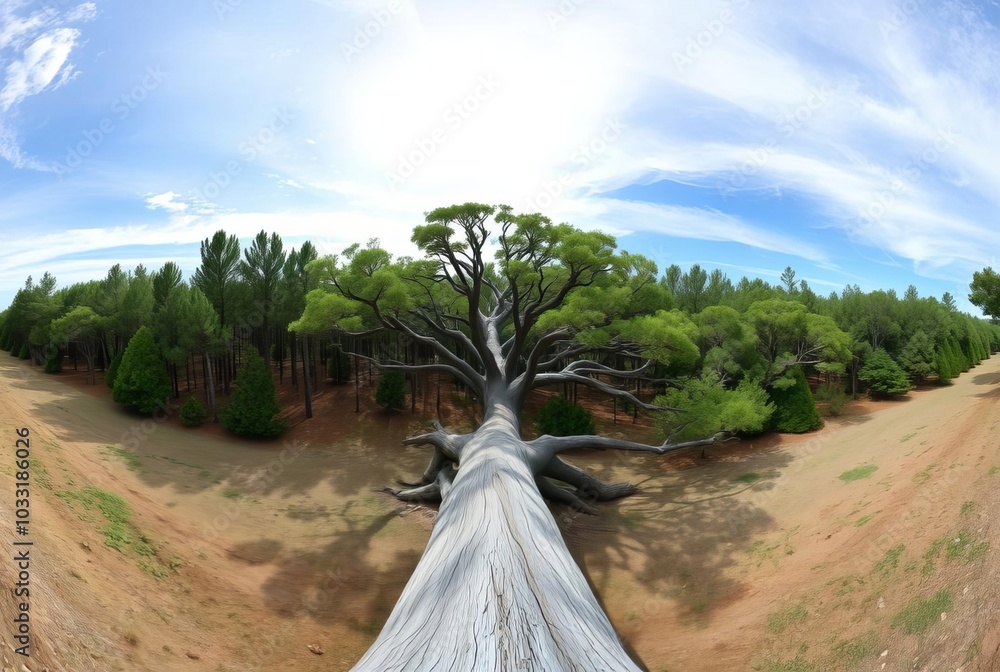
<point x="306" y="384"/>
<point x="496" y="588"/>
<point x="210" y="389"/>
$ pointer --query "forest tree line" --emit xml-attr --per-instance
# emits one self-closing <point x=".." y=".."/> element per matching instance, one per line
<point x="733" y="356"/>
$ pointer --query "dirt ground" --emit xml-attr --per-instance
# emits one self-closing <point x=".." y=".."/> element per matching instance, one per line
<point x="758" y="557"/>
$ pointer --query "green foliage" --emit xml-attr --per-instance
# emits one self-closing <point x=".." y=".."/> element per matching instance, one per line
<point x="254" y="404"/>
<point x="707" y="408"/>
<point x="53" y="364"/>
<point x="917" y="356"/>
<point x="192" y="412"/>
<point x="884" y="376"/>
<point x="858" y="473"/>
<point x="391" y="391"/>
<point x="339" y="366"/>
<point x="25" y="352"/>
<point x="112" y="373"/>
<point x="561" y="417"/>
<point x="794" y="407"/>
<point x="141" y="384"/>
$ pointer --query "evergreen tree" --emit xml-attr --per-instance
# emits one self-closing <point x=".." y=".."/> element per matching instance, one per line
<point x="884" y="376"/>
<point x="917" y="356"/>
<point x="391" y="390"/>
<point x="254" y="403"/>
<point x="141" y="383"/>
<point x="561" y="417"/>
<point x="794" y="407"/>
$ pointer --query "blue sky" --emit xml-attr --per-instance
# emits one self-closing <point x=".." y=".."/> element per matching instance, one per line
<point x="854" y="141"/>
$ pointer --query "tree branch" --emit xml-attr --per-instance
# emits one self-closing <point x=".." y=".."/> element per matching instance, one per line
<point x="553" y="445"/>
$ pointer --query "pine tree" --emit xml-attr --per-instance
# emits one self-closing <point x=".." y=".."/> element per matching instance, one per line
<point x="254" y="403"/>
<point x="794" y="407"/>
<point x="884" y="376"/>
<point x="141" y="383"/>
<point x="391" y="391"/>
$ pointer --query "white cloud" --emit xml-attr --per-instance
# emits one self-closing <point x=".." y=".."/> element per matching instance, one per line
<point x="166" y="201"/>
<point x="39" y="66"/>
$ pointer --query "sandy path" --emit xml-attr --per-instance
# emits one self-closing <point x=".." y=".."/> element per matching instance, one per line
<point x="278" y="551"/>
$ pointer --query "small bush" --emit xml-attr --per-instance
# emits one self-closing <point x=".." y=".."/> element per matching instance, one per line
<point x="54" y="362"/>
<point x="192" y="412"/>
<point x="25" y="353"/>
<point x="561" y="417"/>
<point x="795" y="409"/>
<point x="391" y="391"/>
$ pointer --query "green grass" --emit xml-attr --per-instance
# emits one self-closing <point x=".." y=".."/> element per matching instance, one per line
<point x="967" y="507"/>
<point x="120" y="533"/>
<point x="39" y="474"/>
<point x="229" y="493"/>
<point x="749" y="477"/>
<point x="858" y="473"/>
<point x="122" y="455"/>
<point x="889" y="561"/>
<point x="994" y="471"/>
<point x="907" y="437"/>
<point x="920" y="614"/>
<point x="924" y="475"/>
<point x="850" y="653"/>
<point x="864" y="519"/>
<point x="779" y="621"/>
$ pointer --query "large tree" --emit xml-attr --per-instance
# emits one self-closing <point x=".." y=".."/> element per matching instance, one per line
<point x="496" y="587"/>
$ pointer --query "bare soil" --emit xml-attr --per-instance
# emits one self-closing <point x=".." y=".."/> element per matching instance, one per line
<point x="757" y="557"/>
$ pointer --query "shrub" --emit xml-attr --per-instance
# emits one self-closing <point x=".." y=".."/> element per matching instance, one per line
<point x="794" y="407"/>
<point x="833" y="396"/>
<point x="141" y="383"/>
<point x="112" y="372"/>
<point x="391" y="390"/>
<point x="192" y="412"/>
<point x="339" y="366"/>
<point x="884" y="376"/>
<point x="24" y="353"/>
<point x="53" y="364"/>
<point x="561" y="417"/>
<point x="254" y="403"/>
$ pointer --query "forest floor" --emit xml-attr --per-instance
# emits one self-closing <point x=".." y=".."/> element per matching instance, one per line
<point x="869" y="545"/>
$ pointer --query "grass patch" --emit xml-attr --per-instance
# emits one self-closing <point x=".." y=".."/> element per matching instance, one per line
<point x="120" y="533"/>
<point x="130" y="459"/>
<point x="864" y="519"/>
<point x="779" y="621"/>
<point x="967" y="508"/>
<point x="907" y="437"/>
<point x="209" y="476"/>
<point x="994" y="471"/>
<point x="889" y="561"/>
<point x="40" y="474"/>
<point x="748" y="478"/>
<point x="229" y="493"/>
<point x="920" y="614"/>
<point x="858" y="473"/>
<point x="850" y="653"/>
